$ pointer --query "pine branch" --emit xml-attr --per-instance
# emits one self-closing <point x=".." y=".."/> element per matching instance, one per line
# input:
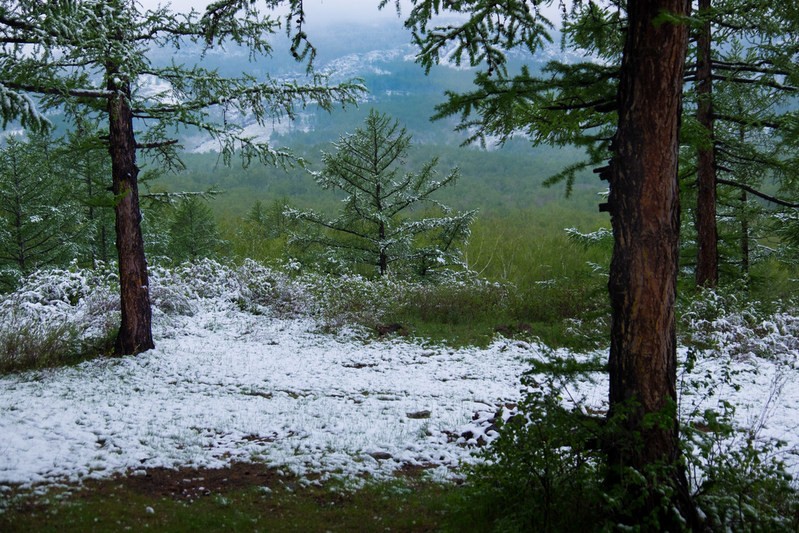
<point x="757" y="123"/>
<point x="757" y="193"/>
<point x="759" y="82"/>
<point x="156" y="144"/>
<point x="602" y="105"/>
<point x="761" y="67"/>
<point x="58" y="91"/>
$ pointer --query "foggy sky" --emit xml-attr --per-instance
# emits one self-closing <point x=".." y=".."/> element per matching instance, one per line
<point x="318" y="11"/>
<point x="322" y="12"/>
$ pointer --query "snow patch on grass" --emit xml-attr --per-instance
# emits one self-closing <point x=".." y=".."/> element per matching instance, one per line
<point x="243" y="372"/>
<point x="226" y="385"/>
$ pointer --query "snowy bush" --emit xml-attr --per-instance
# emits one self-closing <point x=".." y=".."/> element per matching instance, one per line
<point x="736" y="471"/>
<point x="187" y="288"/>
<point x="725" y="324"/>
<point x="183" y="288"/>
<point x="339" y="300"/>
<point x="76" y="311"/>
<point x="25" y="343"/>
<point x="272" y="288"/>
<point x="56" y="316"/>
<point x="190" y="287"/>
<point x="352" y="299"/>
<point x="459" y="298"/>
<point x="336" y="300"/>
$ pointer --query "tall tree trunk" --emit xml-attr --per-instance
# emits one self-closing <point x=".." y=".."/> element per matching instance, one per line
<point x="744" y="234"/>
<point x="383" y="256"/>
<point x="381" y="228"/>
<point x="383" y="262"/>
<point x="135" y="331"/>
<point x="707" y="262"/>
<point x="744" y="210"/>
<point x="90" y="194"/>
<point x="644" y="204"/>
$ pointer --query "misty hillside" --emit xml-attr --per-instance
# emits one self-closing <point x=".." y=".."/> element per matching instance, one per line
<point x="382" y="56"/>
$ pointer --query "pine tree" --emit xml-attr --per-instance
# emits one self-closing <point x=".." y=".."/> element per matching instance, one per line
<point x="193" y="233"/>
<point x="87" y="164"/>
<point x="262" y="234"/>
<point x="40" y="223"/>
<point x="746" y="76"/>
<point x="91" y="58"/>
<point x="269" y="222"/>
<point x="372" y="229"/>
<point x="638" y="125"/>
<point x="739" y="113"/>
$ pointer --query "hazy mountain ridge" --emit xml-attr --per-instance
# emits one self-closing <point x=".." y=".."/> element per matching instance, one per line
<point x="397" y="85"/>
<point x="383" y="58"/>
<point x="379" y="54"/>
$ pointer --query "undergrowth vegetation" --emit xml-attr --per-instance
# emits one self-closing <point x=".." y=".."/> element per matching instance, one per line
<point x="57" y="317"/>
<point x="548" y="458"/>
<point x="549" y="450"/>
<point x="61" y="316"/>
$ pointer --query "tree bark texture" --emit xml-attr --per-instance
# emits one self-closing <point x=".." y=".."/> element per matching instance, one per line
<point x="744" y="234"/>
<point x="135" y="331"/>
<point x="645" y="210"/>
<point x="381" y="228"/>
<point x="707" y="262"/>
<point x="744" y="214"/>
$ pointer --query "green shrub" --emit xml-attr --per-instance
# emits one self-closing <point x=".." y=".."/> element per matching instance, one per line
<point x="741" y="487"/>
<point x="456" y="300"/>
<point x="546" y="470"/>
<point x="543" y="472"/>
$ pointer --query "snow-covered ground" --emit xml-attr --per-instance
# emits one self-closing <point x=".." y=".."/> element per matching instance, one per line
<point x="229" y="386"/>
<point x="226" y="385"/>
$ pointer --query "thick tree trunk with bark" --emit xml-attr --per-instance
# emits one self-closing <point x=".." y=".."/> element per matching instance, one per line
<point x="135" y="331"/>
<point x="707" y="262"/>
<point x="644" y="204"/>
